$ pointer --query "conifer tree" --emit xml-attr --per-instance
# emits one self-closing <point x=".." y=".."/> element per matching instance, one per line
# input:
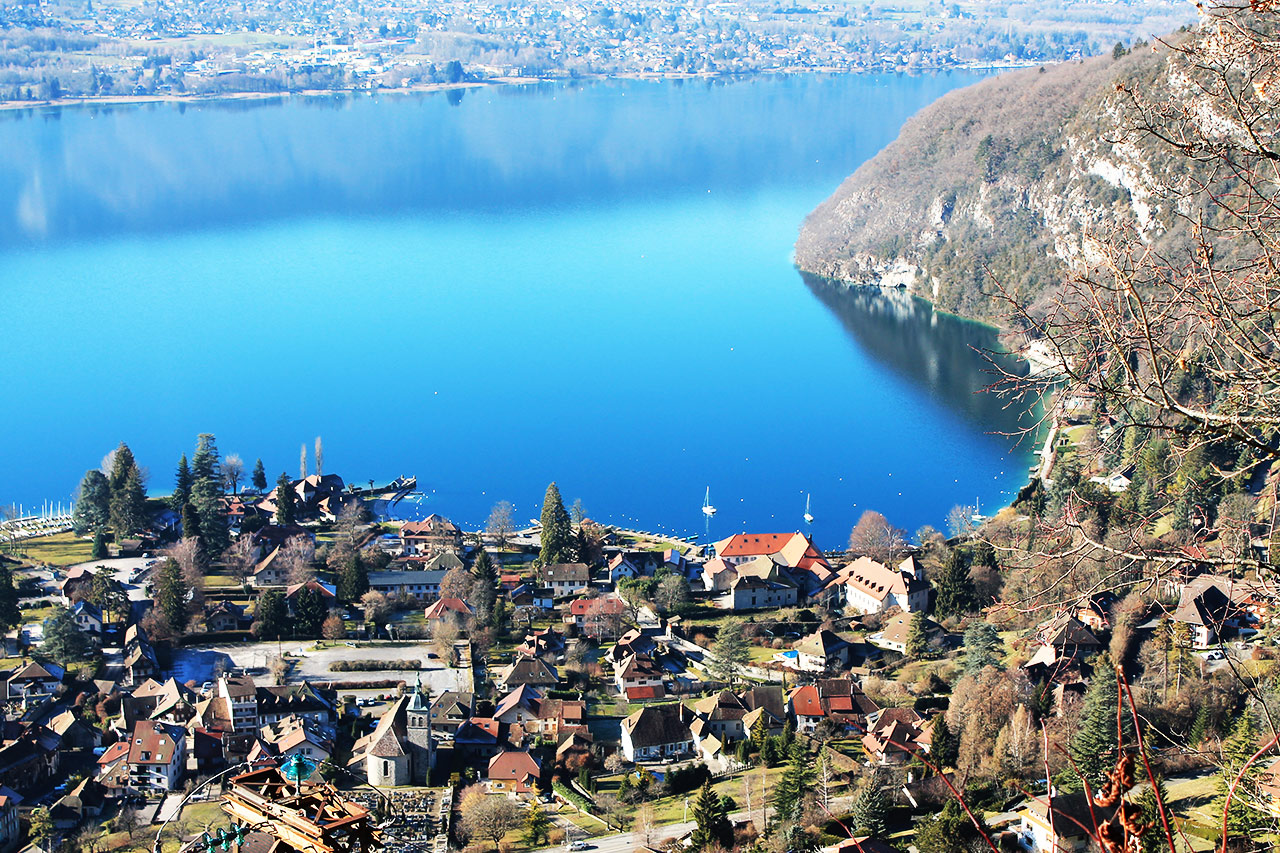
<point x="309" y="612"/>
<point x="759" y="731"/>
<point x="917" y="635"/>
<point x="1093" y="747"/>
<point x="190" y="521"/>
<point x="171" y="595"/>
<point x="944" y="748"/>
<point x="284" y="500"/>
<point x="259" y="476"/>
<point x="63" y="639"/>
<point x="93" y="503"/>
<point x="270" y="616"/>
<point x="796" y="780"/>
<point x="869" y="808"/>
<point x="10" y="614"/>
<point x="730" y="652"/>
<point x="100" y="551"/>
<point x="127" y="502"/>
<point x="1244" y="819"/>
<point x="712" y="821"/>
<point x="484" y="587"/>
<point x="353" y="579"/>
<point x="207" y="489"/>
<point x="1154" y="840"/>
<point x="181" y="485"/>
<point x="537" y="825"/>
<point x="956" y="594"/>
<point x="557" y="532"/>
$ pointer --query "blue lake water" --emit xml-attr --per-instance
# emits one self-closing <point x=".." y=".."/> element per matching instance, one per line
<point x="591" y="284"/>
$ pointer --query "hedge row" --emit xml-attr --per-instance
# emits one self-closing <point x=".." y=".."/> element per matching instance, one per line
<point x="373" y="665"/>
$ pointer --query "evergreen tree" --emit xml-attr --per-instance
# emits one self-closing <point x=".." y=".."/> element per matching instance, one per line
<point x="1244" y="820"/>
<point x="353" y="579"/>
<point x="917" y="635"/>
<point x="63" y="639"/>
<point x="1154" y="840"/>
<point x="259" y="476"/>
<point x="171" y="595"/>
<point x="207" y="490"/>
<point x="106" y="594"/>
<point x="1093" y="747"/>
<point x="309" y="611"/>
<point x="981" y="646"/>
<point x="869" y="808"/>
<point x="181" y="486"/>
<point x="557" y="531"/>
<point x="127" y="504"/>
<point x="190" y="521"/>
<point x="484" y="587"/>
<point x="10" y="613"/>
<point x="771" y="752"/>
<point x="537" y="824"/>
<point x="284" y="500"/>
<point x="270" y="616"/>
<point x="796" y="780"/>
<point x="93" y="503"/>
<point x="712" y="821"/>
<point x="730" y="652"/>
<point x="759" y="731"/>
<point x="100" y="551"/>
<point x="956" y="594"/>
<point x="944" y="749"/>
<point x="949" y="831"/>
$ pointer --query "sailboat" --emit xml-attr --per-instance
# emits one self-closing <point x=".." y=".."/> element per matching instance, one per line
<point x="707" y="508"/>
<point x="808" y="516"/>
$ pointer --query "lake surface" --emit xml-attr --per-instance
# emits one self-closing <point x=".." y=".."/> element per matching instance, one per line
<point x="591" y="284"/>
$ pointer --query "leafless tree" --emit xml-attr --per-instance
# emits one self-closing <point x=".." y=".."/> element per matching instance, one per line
<point x="232" y="471"/>
<point x="377" y="606"/>
<point x="874" y="537"/>
<point x="456" y="583"/>
<point x="319" y="457"/>
<point x="486" y="816"/>
<point x="302" y="462"/>
<point x="238" y="558"/>
<point x="297" y="559"/>
<point x="351" y="520"/>
<point x="333" y="627"/>
<point x="501" y="523"/>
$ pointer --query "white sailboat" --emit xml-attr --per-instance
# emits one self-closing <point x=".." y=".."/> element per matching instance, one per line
<point x="808" y="516"/>
<point x="707" y="508"/>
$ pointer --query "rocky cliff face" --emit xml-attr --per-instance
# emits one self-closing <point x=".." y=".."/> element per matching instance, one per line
<point x="998" y="186"/>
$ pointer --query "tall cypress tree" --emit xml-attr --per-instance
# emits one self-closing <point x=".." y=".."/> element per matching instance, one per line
<point x="259" y="476"/>
<point x="956" y="594"/>
<point x="181" y="485"/>
<point x="557" y="530"/>
<point x="171" y="595"/>
<point x="484" y="587"/>
<point x="284" y="500"/>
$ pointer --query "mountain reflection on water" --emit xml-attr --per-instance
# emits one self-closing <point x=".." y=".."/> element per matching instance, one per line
<point x="953" y="359"/>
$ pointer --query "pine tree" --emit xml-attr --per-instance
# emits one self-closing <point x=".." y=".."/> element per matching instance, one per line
<point x="712" y="821"/>
<point x="171" y="595"/>
<point x="93" y="503"/>
<point x="190" y="521"/>
<point x="309" y="611"/>
<point x="1093" y="747"/>
<point x="557" y="532"/>
<point x="949" y="831"/>
<point x="353" y="579"/>
<point x="181" y="486"/>
<point x="537" y="825"/>
<point x="259" y="476"/>
<point x="100" y="551"/>
<point x="944" y="748"/>
<point x="1154" y="840"/>
<point x="207" y="490"/>
<point x="127" y="500"/>
<point x="759" y="731"/>
<point x="917" y="635"/>
<point x="796" y="780"/>
<point x="956" y="594"/>
<point x="1244" y="820"/>
<point x="484" y="587"/>
<point x="284" y="500"/>
<point x="869" y="808"/>
<point x="270" y="616"/>
<point x="10" y="614"/>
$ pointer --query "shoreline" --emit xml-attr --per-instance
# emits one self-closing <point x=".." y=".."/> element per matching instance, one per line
<point x="432" y="88"/>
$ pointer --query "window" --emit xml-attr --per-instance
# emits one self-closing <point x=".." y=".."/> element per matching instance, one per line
<point x="386" y="768"/>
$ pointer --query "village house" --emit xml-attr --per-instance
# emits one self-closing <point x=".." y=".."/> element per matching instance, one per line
<point x="807" y="566"/>
<point x="139" y="657"/>
<point x="840" y="700"/>
<point x="455" y="608"/>
<point x="81" y="803"/>
<point x="754" y="593"/>
<point x="1064" y="823"/>
<point x="599" y="618"/>
<point x="34" y="679"/>
<point x="513" y="772"/>
<point x="424" y="586"/>
<point x="639" y="678"/>
<point x="10" y="830"/>
<point x="531" y="671"/>
<point x="867" y="586"/>
<point x="543" y="643"/>
<point x="531" y="595"/>
<point x="88" y="619"/>
<point x="657" y="732"/>
<point x="564" y="579"/>
<point x="897" y="736"/>
<point x="1207" y="611"/>
<point x="295" y="735"/>
<point x="478" y="739"/>
<point x="450" y="710"/>
<point x="897" y="629"/>
<point x="157" y="756"/>
<point x="328" y="593"/>
<point x="225" y="616"/>
<point x="820" y="651"/>
<point x="433" y="535"/>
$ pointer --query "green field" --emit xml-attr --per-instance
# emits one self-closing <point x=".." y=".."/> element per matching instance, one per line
<point x="60" y="549"/>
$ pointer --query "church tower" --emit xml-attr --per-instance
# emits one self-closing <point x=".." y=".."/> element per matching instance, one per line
<point x="421" y="749"/>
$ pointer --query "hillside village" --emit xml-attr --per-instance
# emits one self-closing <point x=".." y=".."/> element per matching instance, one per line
<point x="572" y="684"/>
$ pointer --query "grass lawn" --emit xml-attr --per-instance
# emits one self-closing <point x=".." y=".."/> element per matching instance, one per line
<point x="763" y="654"/>
<point x="59" y="549"/>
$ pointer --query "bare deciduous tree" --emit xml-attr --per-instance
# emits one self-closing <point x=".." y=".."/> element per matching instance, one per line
<point x="232" y="471"/>
<point x="501" y="523"/>
<point x="874" y="537"/>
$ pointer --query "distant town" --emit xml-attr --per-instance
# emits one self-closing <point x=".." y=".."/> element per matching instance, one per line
<point x="221" y="665"/>
<point x="67" y="51"/>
